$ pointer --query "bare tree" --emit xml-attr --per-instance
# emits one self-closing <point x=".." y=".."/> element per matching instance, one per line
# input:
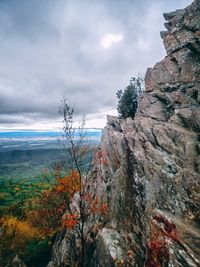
<point x="85" y="209"/>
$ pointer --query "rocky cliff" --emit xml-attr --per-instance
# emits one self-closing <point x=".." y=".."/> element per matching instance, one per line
<point x="152" y="171"/>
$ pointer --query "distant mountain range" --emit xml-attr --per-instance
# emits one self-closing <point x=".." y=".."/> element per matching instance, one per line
<point x="22" y="140"/>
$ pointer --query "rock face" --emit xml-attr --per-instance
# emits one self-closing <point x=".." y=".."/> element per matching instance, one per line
<point x="152" y="172"/>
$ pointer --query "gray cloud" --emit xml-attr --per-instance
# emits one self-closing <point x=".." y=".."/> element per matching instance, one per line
<point x="50" y="49"/>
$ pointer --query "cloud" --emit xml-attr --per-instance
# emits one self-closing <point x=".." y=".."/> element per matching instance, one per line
<point x="109" y="39"/>
<point x="82" y="50"/>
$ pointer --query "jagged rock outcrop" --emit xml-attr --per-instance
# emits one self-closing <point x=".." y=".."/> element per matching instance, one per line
<point x="152" y="172"/>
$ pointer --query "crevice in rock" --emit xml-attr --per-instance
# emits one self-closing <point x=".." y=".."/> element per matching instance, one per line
<point x="138" y="192"/>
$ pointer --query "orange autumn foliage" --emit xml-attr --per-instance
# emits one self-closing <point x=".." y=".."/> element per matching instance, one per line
<point x="169" y="228"/>
<point x="97" y="207"/>
<point x="70" y="220"/>
<point x="103" y="209"/>
<point x="158" y="253"/>
<point x="161" y="230"/>
<point x="69" y="184"/>
<point x="101" y="157"/>
<point x="47" y="212"/>
<point x="93" y="208"/>
<point x="22" y="228"/>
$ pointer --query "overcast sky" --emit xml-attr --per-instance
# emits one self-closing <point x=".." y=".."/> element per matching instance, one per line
<point x="83" y="50"/>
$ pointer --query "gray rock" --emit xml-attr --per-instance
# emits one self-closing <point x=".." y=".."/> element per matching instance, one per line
<point x="182" y="25"/>
<point x="171" y="15"/>
<point x="168" y="26"/>
<point x="114" y="121"/>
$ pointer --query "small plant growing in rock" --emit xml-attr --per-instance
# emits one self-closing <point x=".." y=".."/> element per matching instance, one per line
<point x="158" y="251"/>
<point x="129" y="97"/>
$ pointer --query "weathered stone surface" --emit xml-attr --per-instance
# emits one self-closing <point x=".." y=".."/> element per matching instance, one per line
<point x="62" y="253"/>
<point x="190" y="118"/>
<point x="113" y="248"/>
<point x="165" y="72"/>
<point x="182" y="25"/>
<point x="114" y="122"/>
<point x="172" y="15"/>
<point x="170" y="42"/>
<point x="148" y="80"/>
<point x="151" y="107"/>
